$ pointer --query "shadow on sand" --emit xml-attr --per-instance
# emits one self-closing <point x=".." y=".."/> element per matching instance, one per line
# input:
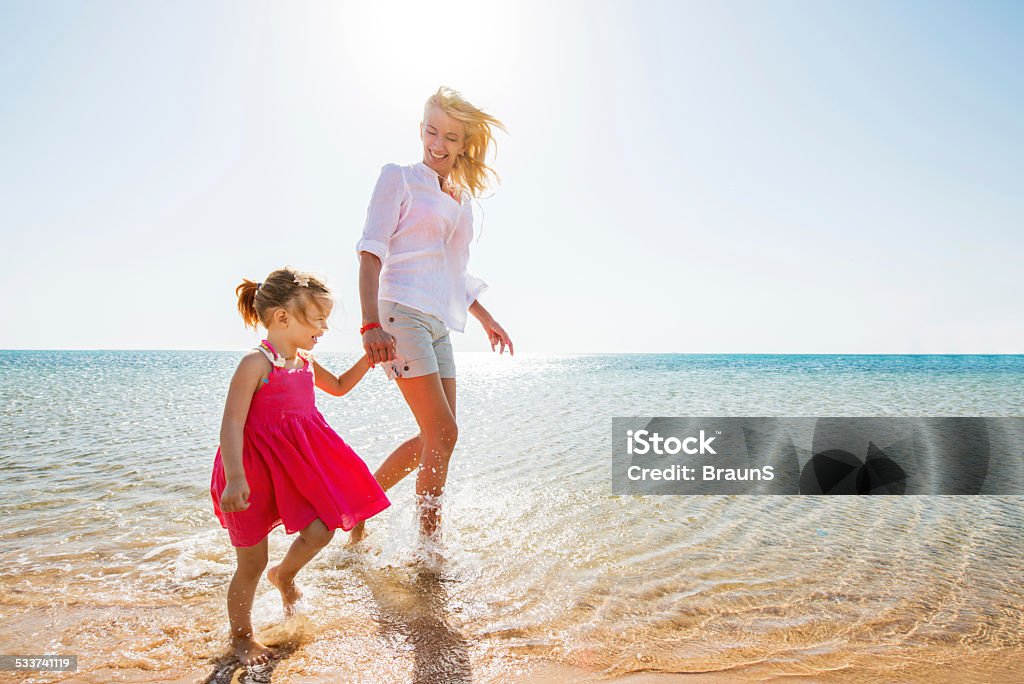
<point x="412" y="605"/>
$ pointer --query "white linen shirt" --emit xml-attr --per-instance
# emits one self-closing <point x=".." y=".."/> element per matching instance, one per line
<point x="421" y="236"/>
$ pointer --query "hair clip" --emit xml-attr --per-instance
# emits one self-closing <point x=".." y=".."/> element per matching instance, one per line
<point x="301" y="280"/>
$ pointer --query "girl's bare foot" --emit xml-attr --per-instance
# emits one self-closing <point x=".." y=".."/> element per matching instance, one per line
<point x="357" y="533"/>
<point x="250" y="652"/>
<point x="290" y="593"/>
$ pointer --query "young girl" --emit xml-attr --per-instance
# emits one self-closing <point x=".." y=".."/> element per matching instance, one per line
<point x="278" y="461"/>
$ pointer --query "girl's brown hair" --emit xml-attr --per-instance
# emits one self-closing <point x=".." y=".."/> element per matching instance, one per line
<point x="286" y="288"/>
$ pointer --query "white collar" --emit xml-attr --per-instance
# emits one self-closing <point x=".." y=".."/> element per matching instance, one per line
<point x="423" y="165"/>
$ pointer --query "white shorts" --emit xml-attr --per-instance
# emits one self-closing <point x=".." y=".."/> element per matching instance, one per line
<point x="421" y="342"/>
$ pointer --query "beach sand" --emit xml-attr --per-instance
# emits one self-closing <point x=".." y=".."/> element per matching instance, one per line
<point x="409" y="643"/>
<point x="995" y="667"/>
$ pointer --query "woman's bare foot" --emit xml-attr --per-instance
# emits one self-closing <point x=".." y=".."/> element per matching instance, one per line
<point x="290" y="593"/>
<point x="430" y="517"/>
<point x="250" y="652"/>
<point x="357" y="534"/>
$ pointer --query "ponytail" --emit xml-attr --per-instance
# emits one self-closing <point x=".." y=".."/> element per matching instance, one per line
<point x="247" y="302"/>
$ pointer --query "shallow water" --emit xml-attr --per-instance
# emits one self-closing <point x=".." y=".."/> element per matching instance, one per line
<point x="111" y="550"/>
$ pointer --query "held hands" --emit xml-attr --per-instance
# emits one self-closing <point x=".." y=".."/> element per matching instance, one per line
<point x="235" y="496"/>
<point x="379" y="346"/>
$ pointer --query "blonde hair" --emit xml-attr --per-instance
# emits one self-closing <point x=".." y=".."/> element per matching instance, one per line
<point x="282" y="289"/>
<point x="470" y="170"/>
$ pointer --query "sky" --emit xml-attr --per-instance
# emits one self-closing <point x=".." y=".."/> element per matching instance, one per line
<point x="691" y="177"/>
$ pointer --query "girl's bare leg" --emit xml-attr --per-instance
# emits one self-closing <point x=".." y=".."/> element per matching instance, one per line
<point x="404" y="459"/>
<point x="311" y="539"/>
<point x="241" y="592"/>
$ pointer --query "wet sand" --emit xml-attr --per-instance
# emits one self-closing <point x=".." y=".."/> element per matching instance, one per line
<point x="405" y="630"/>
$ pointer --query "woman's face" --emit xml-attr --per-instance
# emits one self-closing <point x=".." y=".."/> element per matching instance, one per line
<point x="444" y="139"/>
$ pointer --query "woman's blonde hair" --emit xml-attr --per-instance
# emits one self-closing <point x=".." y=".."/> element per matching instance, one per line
<point x="470" y="170"/>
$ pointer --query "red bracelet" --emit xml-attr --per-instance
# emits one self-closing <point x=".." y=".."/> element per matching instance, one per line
<point x="368" y="326"/>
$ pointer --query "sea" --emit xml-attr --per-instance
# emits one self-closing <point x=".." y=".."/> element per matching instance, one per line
<point x="110" y="551"/>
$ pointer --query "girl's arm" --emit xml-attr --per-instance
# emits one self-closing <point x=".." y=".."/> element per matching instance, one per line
<point x="337" y="385"/>
<point x="250" y="373"/>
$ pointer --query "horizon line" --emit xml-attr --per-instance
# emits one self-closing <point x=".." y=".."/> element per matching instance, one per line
<point x="591" y="353"/>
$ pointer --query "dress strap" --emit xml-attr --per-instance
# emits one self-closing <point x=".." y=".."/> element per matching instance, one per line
<point x="306" y="356"/>
<point x="270" y="357"/>
<point x="276" y="360"/>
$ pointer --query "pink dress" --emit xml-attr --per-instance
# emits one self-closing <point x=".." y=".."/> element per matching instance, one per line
<point x="298" y="468"/>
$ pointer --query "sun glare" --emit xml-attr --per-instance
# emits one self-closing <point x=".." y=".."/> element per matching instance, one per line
<point x="405" y="50"/>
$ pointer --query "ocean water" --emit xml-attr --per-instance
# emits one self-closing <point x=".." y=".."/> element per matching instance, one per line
<point x="110" y="550"/>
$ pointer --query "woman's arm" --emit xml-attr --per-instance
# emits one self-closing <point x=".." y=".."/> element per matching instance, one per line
<point x="250" y="373"/>
<point x="369" y="286"/>
<point x="495" y="333"/>
<point x="338" y="385"/>
<point x="381" y="223"/>
<point x="378" y="345"/>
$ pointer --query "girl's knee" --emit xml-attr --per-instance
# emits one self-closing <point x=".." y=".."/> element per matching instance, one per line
<point x="317" y="534"/>
<point x="252" y="566"/>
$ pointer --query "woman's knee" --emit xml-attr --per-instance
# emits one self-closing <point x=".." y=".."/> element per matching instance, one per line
<point x="444" y="435"/>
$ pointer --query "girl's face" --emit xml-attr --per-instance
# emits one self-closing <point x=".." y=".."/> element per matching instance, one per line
<point x="444" y="139"/>
<point x="304" y="331"/>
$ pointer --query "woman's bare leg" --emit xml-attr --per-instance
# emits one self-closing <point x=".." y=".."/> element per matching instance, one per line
<point x="401" y="462"/>
<point x="404" y="459"/>
<point x="438" y="433"/>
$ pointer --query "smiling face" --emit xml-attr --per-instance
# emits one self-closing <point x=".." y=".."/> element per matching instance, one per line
<point x="307" y="326"/>
<point x="444" y="139"/>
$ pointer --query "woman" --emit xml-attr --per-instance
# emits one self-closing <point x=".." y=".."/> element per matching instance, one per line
<point x="414" y="287"/>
